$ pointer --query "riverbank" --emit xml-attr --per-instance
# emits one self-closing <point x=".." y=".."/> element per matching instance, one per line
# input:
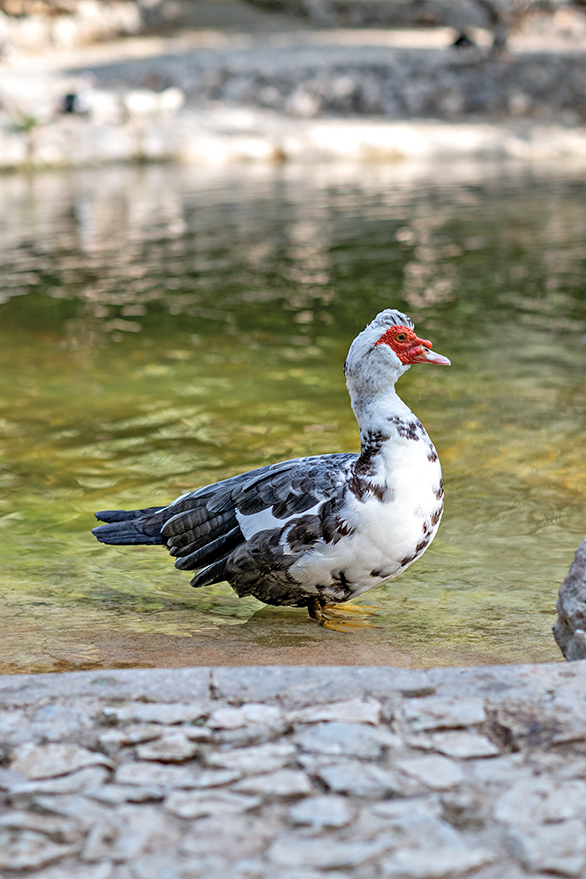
<point x="360" y="773"/>
<point x="208" y="96"/>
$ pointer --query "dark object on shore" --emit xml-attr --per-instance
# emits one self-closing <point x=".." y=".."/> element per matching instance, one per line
<point x="312" y="532"/>
<point x="570" y="628"/>
<point x="463" y="41"/>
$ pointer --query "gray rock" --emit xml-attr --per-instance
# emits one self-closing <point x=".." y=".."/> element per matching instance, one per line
<point x="282" y="783"/>
<point x="115" y="794"/>
<point x="570" y="628"/>
<point x="50" y="761"/>
<point x="54" y="723"/>
<point x="349" y="711"/>
<point x="71" y="870"/>
<point x="114" y="739"/>
<point x="247" y="715"/>
<point x="460" y="744"/>
<point x="558" y="848"/>
<point x="157" y="712"/>
<point x="197" y="805"/>
<point x="361" y="779"/>
<point x="253" y="761"/>
<point x="77" y="782"/>
<point x="500" y="770"/>
<point x="28" y="850"/>
<point x="10" y="779"/>
<point x="324" y="811"/>
<point x="435" y="772"/>
<point x="541" y="801"/>
<point x="234" y="837"/>
<point x="158" y="775"/>
<point x="29" y="841"/>
<point x="290" y="851"/>
<point x="129" y="832"/>
<point x="245" y="736"/>
<point x="174" y="747"/>
<point x="436" y="713"/>
<point x="56" y="828"/>
<point x="438" y="864"/>
<point x="81" y="808"/>
<point x="345" y="740"/>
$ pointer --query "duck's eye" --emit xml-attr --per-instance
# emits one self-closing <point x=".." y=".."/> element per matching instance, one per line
<point x="401" y="337"/>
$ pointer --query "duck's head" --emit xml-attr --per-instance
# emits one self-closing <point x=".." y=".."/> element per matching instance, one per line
<point x="386" y="349"/>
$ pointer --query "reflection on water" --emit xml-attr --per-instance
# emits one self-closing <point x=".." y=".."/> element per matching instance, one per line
<point x="162" y="328"/>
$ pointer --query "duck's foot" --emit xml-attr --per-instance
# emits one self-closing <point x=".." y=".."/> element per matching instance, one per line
<point x="341" y="618"/>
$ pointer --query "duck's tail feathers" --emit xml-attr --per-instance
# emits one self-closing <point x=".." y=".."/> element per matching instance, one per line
<point x="124" y="527"/>
<point x="214" y="573"/>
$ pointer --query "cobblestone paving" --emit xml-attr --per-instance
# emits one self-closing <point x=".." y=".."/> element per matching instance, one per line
<point x="295" y="773"/>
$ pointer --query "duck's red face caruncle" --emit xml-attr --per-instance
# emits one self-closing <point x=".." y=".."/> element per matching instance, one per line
<point x="409" y="348"/>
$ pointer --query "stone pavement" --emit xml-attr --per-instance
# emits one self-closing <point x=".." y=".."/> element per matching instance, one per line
<point x="294" y="773"/>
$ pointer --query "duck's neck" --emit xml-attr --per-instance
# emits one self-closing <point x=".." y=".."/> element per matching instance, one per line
<point x="379" y="417"/>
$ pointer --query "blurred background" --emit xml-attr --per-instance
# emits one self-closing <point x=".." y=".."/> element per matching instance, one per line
<point x="201" y="205"/>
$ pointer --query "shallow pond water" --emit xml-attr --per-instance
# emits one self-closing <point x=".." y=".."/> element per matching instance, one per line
<point x="162" y="328"/>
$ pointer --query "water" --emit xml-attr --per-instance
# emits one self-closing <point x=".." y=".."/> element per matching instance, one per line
<point x="163" y="328"/>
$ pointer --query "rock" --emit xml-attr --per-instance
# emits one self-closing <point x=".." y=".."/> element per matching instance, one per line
<point x="289" y="851"/>
<point x="156" y="712"/>
<point x="29" y="841"/>
<point x="58" y="829"/>
<point x="361" y="780"/>
<point x="50" y="761"/>
<point x="570" y="628"/>
<point x="324" y="811"/>
<point x="350" y="711"/>
<point x="435" y="772"/>
<point x="464" y="809"/>
<point x="81" y="808"/>
<point x="28" y="850"/>
<point x="235" y="837"/>
<point x="171" y="748"/>
<point x="129" y="832"/>
<point x="114" y="739"/>
<point x="345" y="740"/>
<point x="114" y="794"/>
<point x="77" y="782"/>
<point x="245" y="736"/>
<point x="413" y="824"/>
<point x="10" y="779"/>
<point x="197" y="805"/>
<point x="460" y="744"/>
<point x="246" y="715"/>
<point x="282" y="783"/>
<point x="558" y="848"/>
<point x="53" y="723"/>
<point x="435" y="713"/>
<point x="253" y="761"/>
<point x="500" y="770"/>
<point x="75" y="871"/>
<point x="437" y="864"/>
<point x="538" y="800"/>
<point x="158" y="775"/>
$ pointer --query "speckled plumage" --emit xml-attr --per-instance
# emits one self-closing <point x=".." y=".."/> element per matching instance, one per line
<point x="318" y="529"/>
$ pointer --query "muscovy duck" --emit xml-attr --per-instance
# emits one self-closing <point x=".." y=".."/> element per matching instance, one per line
<point x="316" y="531"/>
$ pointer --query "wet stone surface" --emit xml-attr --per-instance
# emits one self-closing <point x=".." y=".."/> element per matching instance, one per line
<point x="354" y="773"/>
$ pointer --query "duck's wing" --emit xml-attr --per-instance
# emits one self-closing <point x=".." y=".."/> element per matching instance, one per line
<point x="203" y="527"/>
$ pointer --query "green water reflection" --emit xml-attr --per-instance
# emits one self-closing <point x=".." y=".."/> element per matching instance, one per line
<point x="163" y="328"/>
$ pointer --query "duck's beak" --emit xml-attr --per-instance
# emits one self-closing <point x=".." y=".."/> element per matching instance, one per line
<point x="426" y="355"/>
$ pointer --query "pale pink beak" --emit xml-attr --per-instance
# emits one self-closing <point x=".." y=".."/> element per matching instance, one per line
<point x="426" y="355"/>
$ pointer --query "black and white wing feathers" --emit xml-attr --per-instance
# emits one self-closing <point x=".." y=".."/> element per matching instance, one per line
<point x="278" y="511"/>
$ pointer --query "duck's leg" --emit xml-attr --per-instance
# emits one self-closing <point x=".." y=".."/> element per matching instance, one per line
<point x="337" y="617"/>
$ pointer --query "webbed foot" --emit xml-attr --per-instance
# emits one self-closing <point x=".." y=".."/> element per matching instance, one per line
<point x="340" y="618"/>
